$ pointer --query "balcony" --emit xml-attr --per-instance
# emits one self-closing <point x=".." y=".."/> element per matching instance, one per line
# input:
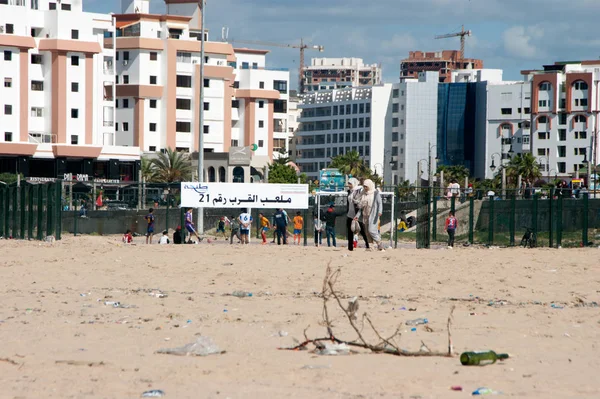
<point x="108" y="123"/>
<point x="42" y="138"/>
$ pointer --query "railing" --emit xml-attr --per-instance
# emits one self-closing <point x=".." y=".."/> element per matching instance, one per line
<point x="109" y="123"/>
<point x="42" y="138"/>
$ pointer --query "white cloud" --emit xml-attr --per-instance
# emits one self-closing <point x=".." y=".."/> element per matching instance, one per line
<point x="519" y="41"/>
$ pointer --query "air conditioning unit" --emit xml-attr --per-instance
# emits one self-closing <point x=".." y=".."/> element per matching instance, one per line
<point x="125" y="62"/>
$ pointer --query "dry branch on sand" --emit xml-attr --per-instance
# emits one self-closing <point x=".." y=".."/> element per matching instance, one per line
<point x="385" y="345"/>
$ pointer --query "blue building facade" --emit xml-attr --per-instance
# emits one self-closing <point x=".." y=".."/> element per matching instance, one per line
<point x="457" y="110"/>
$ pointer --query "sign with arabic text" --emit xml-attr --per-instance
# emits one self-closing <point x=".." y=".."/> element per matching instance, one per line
<point x="244" y="195"/>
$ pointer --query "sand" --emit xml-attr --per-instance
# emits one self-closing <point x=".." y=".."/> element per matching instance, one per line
<point x="59" y="339"/>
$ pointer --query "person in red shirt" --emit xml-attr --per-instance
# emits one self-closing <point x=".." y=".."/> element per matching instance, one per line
<point x="127" y="237"/>
<point x="451" y="225"/>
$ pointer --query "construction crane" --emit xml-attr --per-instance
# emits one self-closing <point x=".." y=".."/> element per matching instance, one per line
<point x="462" y="35"/>
<point x="302" y="46"/>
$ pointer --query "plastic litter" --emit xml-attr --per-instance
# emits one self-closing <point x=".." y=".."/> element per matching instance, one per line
<point x="555" y="306"/>
<point x="413" y="329"/>
<point x="241" y="294"/>
<point x="332" y="349"/>
<point x="485" y="391"/>
<point x="416" y="322"/>
<point x="456" y="388"/>
<point x="203" y="346"/>
<point x="155" y="393"/>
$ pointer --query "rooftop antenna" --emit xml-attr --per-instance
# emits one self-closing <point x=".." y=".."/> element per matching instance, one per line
<point x="224" y="34"/>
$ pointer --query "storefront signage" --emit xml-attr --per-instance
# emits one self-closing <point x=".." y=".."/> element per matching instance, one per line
<point x="40" y="179"/>
<point x="78" y="177"/>
<point x="107" y="181"/>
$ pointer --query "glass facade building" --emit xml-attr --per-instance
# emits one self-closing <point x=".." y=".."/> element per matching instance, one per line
<point x="457" y="103"/>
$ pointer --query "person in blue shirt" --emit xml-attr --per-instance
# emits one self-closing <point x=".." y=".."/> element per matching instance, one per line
<point x="280" y="220"/>
<point x="150" y="228"/>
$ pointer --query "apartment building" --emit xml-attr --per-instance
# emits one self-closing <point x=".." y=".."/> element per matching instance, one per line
<point x="564" y="116"/>
<point x="337" y="73"/>
<point x="443" y="62"/>
<point x="158" y="91"/>
<point x="57" y="105"/>
<point x="335" y="122"/>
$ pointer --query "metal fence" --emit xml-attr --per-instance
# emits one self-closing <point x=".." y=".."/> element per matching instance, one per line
<point x="544" y="218"/>
<point x="31" y="211"/>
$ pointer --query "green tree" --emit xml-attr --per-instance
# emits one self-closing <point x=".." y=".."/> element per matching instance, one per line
<point x="172" y="166"/>
<point x="283" y="158"/>
<point x="351" y="164"/>
<point x="147" y="169"/>
<point x="10" y="178"/>
<point x="405" y="191"/>
<point x="454" y="172"/>
<point x="524" y="165"/>
<point x="283" y="174"/>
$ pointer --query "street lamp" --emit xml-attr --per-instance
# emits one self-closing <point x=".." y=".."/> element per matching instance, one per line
<point x="493" y="168"/>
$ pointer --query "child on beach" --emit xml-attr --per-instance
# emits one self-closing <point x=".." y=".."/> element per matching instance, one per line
<point x="298" y="224"/>
<point x="164" y="239"/>
<point x="221" y="226"/>
<point x="189" y="225"/>
<point x="245" y="222"/>
<point x="150" y="229"/>
<point x="127" y="237"/>
<point x="264" y="227"/>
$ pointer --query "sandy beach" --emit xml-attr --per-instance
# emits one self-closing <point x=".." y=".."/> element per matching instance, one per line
<point x="60" y="339"/>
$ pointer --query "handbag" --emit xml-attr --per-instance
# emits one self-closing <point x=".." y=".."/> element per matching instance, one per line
<point x="355" y="227"/>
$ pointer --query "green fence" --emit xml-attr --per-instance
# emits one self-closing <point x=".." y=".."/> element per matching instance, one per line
<point x="550" y="218"/>
<point x="31" y="211"/>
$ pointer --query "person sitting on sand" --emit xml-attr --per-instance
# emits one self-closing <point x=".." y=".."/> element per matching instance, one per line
<point x="177" y="236"/>
<point x="164" y="239"/>
<point x="128" y="237"/>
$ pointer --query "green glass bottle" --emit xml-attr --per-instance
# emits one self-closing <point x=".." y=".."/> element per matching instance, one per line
<point x="481" y="358"/>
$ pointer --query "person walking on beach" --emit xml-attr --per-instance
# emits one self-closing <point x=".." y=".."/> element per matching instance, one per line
<point x="150" y="228"/>
<point x="189" y="225"/>
<point x="235" y="230"/>
<point x="298" y="225"/>
<point x="451" y="225"/>
<point x="245" y="222"/>
<point x="330" y="217"/>
<point x="221" y="227"/>
<point x="319" y="227"/>
<point x="371" y="208"/>
<point x="280" y="222"/>
<point x="354" y="193"/>
<point x="264" y="227"/>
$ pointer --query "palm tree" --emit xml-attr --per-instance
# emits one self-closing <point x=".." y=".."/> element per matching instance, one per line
<point x="172" y="166"/>
<point x="524" y="165"/>
<point x="454" y="172"/>
<point x="351" y="164"/>
<point x="147" y="169"/>
<point x="405" y="190"/>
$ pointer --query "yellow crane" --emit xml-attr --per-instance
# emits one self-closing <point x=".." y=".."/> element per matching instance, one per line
<point x="302" y="46"/>
<point x="462" y="35"/>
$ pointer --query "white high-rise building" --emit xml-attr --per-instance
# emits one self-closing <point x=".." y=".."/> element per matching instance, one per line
<point x="57" y="86"/>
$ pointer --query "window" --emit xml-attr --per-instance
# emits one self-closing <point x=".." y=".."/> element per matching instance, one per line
<point x="261" y="85"/>
<point x="541" y="151"/>
<point x="74" y="60"/>
<point x="245" y="65"/>
<point x="354" y="137"/>
<point x="526" y="140"/>
<point x="361" y="136"/>
<point x="280" y="106"/>
<point x="152" y="103"/>
<point x="7" y="82"/>
<point x="7" y="136"/>
<point x="335" y="110"/>
<point x="580" y="135"/>
<point x="395" y="107"/>
<point x="526" y="110"/>
<point x="579" y="151"/>
<point x="36" y="58"/>
<point x="234" y="143"/>
<point x="152" y="148"/>
<point x="261" y="123"/>
<point x="117" y="55"/>
<point x="543" y="103"/>
<point x="37" y="85"/>
<point x="355" y="108"/>
<point x="184" y="127"/>
<point x="335" y="138"/>
<point x="10" y="29"/>
<point x="117" y="79"/>
<point x="261" y="143"/>
<point x="579" y="85"/>
<point x="581" y="102"/>
<point x="65" y="7"/>
<point x="235" y="103"/>
<point x="74" y="34"/>
<point x="125" y="103"/>
<point x="185" y="81"/>
<point x="543" y="135"/>
<point x="341" y="137"/>
<point x="7" y="109"/>
<point x="154" y="56"/>
<point x="74" y="113"/>
<point x="117" y="103"/>
<point x="506" y="111"/>
<point x="562" y="167"/>
<point x="354" y="123"/>
<point x="206" y="129"/>
<point x="74" y="87"/>
<point x="401" y="121"/>
<point x="394" y="136"/>
<point x="152" y="79"/>
<point x="342" y="110"/>
<point x="280" y="86"/>
<point x="52" y="6"/>
<point x="395" y="93"/>
<point x="152" y="127"/>
<point x="394" y="151"/>
<point x="545" y="86"/>
<point x="401" y="136"/>
<point x="125" y="126"/>
<point x="562" y="118"/>
<point x="348" y="109"/>
<point x="361" y="122"/>
<point x="206" y="83"/>
<point x="74" y="139"/>
<point x="562" y="134"/>
<point x="7" y="55"/>
<point x="206" y="106"/>
<point x="125" y="79"/>
<point x="125" y="55"/>
<point x="395" y="122"/>
<point x="562" y="151"/>
<point x="117" y="127"/>
<point x="563" y="103"/>
<point x="37" y="112"/>
<point x="255" y="65"/>
<point x="368" y="108"/>
<point x="261" y="104"/>
<point x="184" y="57"/>
<point x="580" y="119"/>
<point x="368" y="121"/>
<point x="347" y="137"/>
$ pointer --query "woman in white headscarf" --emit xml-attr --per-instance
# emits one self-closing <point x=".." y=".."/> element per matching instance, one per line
<point x="354" y="194"/>
<point x="370" y="210"/>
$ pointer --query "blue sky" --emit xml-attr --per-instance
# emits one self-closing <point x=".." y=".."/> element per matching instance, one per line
<point x="507" y="34"/>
